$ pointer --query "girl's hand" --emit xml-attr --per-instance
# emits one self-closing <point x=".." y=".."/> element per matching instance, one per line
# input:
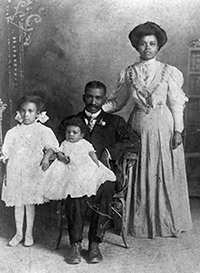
<point x="44" y="163"/>
<point x="97" y="162"/>
<point x="93" y="155"/>
<point x="63" y="158"/>
<point x="177" y="140"/>
<point x="66" y="159"/>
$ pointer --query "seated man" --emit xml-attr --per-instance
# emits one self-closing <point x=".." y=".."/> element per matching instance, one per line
<point x="111" y="137"/>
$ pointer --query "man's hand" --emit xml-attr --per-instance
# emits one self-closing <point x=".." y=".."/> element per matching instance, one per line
<point x="177" y="140"/>
<point x="105" y="159"/>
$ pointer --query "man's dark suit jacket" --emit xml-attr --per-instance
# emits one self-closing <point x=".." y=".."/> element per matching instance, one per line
<point x="110" y="132"/>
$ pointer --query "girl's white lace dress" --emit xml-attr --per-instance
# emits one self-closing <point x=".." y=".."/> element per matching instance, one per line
<point x="80" y="177"/>
<point x="23" y="147"/>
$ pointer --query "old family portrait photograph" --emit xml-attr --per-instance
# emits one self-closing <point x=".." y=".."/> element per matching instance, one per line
<point x="100" y="136"/>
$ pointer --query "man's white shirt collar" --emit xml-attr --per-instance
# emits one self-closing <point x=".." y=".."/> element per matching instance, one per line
<point x="92" y="115"/>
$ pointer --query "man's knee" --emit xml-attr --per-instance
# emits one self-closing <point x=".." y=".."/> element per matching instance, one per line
<point x="105" y="191"/>
<point x="107" y="188"/>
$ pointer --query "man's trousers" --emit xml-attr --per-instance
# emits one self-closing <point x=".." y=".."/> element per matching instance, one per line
<point x="100" y="213"/>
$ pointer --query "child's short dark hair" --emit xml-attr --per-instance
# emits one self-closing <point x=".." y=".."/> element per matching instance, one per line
<point x="78" y="122"/>
<point x="32" y="98"/>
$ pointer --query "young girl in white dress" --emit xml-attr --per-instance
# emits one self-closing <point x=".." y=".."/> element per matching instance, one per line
<point x="77" y="171"/>
<point x="22" y="152"/>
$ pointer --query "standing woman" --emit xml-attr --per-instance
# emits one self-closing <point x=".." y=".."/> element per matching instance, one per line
<point x="160" y="202"/>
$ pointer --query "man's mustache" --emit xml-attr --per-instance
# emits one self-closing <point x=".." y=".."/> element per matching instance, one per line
<point x="93" y="105"/>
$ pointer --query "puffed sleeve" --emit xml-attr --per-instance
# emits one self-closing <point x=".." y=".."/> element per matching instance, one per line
<point x="8" y="144"/>
<point x="120" y="96"/>
<point x="50" y="140"/>
<point x="177" y="98"/>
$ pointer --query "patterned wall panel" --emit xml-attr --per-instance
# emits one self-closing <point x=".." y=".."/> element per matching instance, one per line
<point x="20" y="24"/>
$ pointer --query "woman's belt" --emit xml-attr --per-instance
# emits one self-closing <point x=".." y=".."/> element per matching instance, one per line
<point x="139" y="107"/>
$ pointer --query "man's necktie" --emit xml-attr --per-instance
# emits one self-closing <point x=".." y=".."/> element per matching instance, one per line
<point x="91" y="123"/>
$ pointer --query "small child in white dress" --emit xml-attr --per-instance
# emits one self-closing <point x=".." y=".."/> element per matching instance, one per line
<point x="77" y="171"/>
<point x="22" y="152"/>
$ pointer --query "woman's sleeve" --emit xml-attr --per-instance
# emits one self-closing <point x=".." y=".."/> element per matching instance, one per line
<point x="177" y="98"/>
<point x="51" y="141"/>
<point x="120" y="96"/>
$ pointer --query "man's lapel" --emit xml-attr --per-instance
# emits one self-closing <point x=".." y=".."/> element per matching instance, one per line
<point x="99" y="123"/>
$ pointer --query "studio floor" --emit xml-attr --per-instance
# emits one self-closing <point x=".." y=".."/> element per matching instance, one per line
<point x="161" y="255"/>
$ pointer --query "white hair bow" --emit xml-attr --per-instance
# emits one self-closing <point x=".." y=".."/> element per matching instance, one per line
<point x="42" y="117"/>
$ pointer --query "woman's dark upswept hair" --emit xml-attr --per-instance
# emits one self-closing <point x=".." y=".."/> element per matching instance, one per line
<point x="75" y="121"/>
<point x="148" y="28"/>
<point x="37" y="100"/>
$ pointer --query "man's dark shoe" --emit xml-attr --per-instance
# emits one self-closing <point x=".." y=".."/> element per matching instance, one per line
<point x="74" y="256"/>
<point x="94" y="253"/>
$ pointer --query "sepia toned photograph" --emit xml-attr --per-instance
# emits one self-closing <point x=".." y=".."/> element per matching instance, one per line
<point x="100" y="136"/>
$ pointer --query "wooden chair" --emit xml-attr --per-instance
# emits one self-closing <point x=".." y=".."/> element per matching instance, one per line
<point x="121" y="201"/>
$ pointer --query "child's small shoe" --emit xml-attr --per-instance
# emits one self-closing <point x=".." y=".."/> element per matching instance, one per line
<point x="15" y="240"/>
<point x="28" y="241"/>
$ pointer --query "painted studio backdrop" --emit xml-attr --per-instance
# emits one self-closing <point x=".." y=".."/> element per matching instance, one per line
<point x="54" y="47"/>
